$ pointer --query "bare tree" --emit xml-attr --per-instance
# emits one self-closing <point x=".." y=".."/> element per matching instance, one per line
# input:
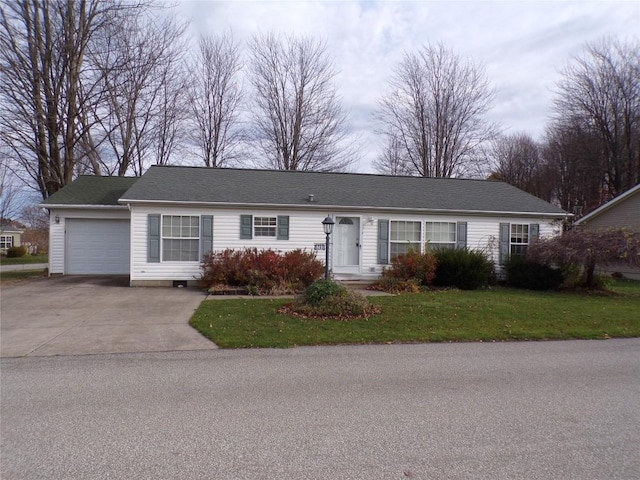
<point x="601" y="90"/>
<point x="137" y="62"/>
<point x="572" y="153"/>
<point x="436" y="109"/>
<point x="393" y="160"/>
<point x="11" y="194"/>
<point x="517" y="161"/>
<point x="36" y="235"/>
<point x="42" y="58"/>
<point x="169" y="125"/>
<point x="214" y="99"/>
<point x="298" y="121"/>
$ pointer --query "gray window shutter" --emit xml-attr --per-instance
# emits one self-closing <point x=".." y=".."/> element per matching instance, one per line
<point x="246" y="226"/>
<point x="504" y="243"/>
<point x="206" y="235"/>
<point x="461" y="237"/>
<point x="534" y="231"/>
<point x="153" y="246"/>
<point x="283" y="227"/>
<point x="383" y="241"/>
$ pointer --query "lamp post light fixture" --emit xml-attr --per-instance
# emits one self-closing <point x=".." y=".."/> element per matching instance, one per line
<point x="327" y="225"/>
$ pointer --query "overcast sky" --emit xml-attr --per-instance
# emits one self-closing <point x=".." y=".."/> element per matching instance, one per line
<point x="522" y="44"/>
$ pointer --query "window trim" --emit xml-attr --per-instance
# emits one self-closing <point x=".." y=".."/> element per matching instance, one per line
<point x="248" y="232"/>
<point x="163" y="238"/>
<point x="3" y="241"/>
<point x="438" y="245"/>
<point x="419" y="242"/>
<point x="269" y="226"/>
<point x="519" y="244"/>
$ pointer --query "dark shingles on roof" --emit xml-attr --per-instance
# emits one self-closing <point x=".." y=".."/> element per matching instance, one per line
<point x="92" y="190"/>
<point x="272" y="187"/>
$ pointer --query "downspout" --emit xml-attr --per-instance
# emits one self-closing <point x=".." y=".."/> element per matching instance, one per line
<point x="130" y="245"/>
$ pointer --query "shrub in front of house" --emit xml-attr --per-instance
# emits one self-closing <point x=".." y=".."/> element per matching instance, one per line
<point x="261" y="271"/>
<point x="530" y="275"/>
<point x="408" y="272"/>
<point x="462" y="268"/>
<point x="301" y="266"/>
<point x="315" y="293"/>
<point x="328" y="299"/>
<point x="15" y="252"/>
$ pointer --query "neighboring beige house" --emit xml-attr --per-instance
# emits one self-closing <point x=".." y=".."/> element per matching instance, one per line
<point x="10" y="236"/>
<point x="621" y="212"/>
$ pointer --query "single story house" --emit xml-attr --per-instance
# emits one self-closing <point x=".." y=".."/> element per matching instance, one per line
<point x="620" y="212"/>
<point x="158" y="227"/>
<point x="10" y="236"/>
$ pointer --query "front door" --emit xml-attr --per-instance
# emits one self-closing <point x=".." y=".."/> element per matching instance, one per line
<point x="347" y="245"/>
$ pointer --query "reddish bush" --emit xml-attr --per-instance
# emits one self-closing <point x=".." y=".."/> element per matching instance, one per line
<point x="263" y="271"/>
<point x="411" y="268"/>
<point x="301" y="267"/>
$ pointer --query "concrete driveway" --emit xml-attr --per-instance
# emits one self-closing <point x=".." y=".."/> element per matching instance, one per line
<point x="90" y="315"/>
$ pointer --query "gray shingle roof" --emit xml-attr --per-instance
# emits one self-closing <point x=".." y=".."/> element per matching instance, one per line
<point x="269" y="187"/>
<point x="92" y="190"/>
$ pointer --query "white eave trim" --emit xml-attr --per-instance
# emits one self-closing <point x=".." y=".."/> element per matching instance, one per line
<point x="606" y="206"/>
<point x="330" y="208"/>
<point x="83" y="207"/>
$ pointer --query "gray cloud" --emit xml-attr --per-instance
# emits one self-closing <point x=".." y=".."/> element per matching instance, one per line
<point x="523" y="44"/>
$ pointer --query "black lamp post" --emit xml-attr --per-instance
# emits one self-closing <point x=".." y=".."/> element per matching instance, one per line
<point x="327" y="225"/>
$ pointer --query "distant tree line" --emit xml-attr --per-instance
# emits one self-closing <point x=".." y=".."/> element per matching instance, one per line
<point x="591" y="150"/>
<point x="111" y="87"/>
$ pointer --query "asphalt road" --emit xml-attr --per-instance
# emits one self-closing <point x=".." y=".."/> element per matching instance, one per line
<point x="545" y="410"/>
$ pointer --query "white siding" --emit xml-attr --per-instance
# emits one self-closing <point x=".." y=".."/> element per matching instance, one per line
<point x="57" y="231"/>
<point x="483" y="233"/>
<point x="305" y="230"/>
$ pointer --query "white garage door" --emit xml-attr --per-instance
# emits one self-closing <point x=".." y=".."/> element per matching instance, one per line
<point x="97" y="247"/>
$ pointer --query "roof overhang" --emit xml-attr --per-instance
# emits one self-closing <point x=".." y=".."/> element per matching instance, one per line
<point x="83" y="207"/>
<point x="325" y="208"/>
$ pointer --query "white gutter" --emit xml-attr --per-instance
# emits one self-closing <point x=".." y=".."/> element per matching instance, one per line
<point x="74" y="207"/>
<point x="345" y="207"/>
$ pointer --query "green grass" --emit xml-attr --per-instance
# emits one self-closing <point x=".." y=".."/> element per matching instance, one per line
<point x="438" y="316"/>
<point x="13" y="277"/>
<point x="24" y="260"/>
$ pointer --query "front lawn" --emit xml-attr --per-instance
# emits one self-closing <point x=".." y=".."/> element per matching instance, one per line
<point x="438" y="316"/>
<point x="26" y="259"/>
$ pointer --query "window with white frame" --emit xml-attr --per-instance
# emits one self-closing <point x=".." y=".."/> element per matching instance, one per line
<point x="403" y="236"/>
<point x="440" y="234"/>
<point x="180" y="238"/>
<point x="6" y="241"/>
<point x="518" y="239"/>
<point x="264" y="226"/>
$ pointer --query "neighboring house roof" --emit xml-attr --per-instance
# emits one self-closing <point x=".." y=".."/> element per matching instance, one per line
<point x="199" y="185"/>
<point x="10" y="229"/>
<point x="91" y="191"/>
<point x="609" y="205"/>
